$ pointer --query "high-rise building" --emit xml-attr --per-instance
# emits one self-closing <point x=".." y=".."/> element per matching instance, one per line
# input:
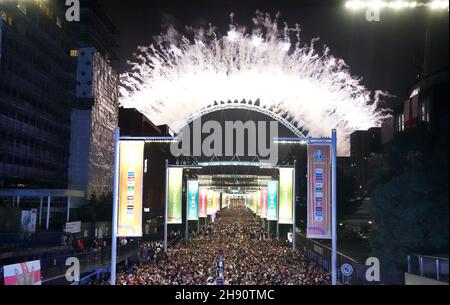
<point x="37" y="83"/>
<point x="364" y="144"/>
<point x="93" y="120"/>
<point x="95" y="113"/>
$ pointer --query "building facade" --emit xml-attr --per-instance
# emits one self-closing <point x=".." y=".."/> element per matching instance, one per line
<point x="93" y="120"/>
<point x="364" y="144"/>
<point x="426" y="105"/>
<point x="36" y="93"/>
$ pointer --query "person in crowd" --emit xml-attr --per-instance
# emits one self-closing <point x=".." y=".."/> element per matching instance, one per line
<point x="249" y="258"/>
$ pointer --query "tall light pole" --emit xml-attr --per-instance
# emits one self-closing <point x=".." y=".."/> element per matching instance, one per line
<point x="374" y="7"/>
<point x="333" y="208"/>
<point x="294" y="209"/>
<point x="166" y="209"/>
<point x="115" y="206"/>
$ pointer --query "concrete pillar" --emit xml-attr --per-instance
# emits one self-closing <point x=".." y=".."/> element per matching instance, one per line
<point x="68" y="208"/>
<point x="40" y="210"/>
<point x="49" y="200"/>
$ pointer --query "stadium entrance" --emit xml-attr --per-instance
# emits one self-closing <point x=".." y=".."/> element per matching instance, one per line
<point x="200" y="189"/>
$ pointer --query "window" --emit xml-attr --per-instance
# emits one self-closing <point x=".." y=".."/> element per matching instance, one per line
<point x="422" y="112"/>
<point x="400" y="122"/>
<point x="73" y="53"/>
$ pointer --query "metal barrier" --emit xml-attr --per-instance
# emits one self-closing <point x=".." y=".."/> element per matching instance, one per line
<point x="55" y="268"/>
<point x="429" y="266"/>
<point x="321" y="255"/>
<point x="30" y="240"/>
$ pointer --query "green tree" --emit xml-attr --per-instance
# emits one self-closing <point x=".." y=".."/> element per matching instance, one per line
<point x="410" y="201"/>
<point x="98" y="208"/>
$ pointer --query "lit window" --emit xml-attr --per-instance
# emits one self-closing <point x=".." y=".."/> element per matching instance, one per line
<point x="73" y="53"/>
<point x="423" y="115"/>
<point x="401" y="122"/>
<point x="415" y="92"/>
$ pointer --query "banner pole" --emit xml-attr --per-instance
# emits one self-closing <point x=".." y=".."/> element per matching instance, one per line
<point x="166" y="206"/>
<point x="294" y="210"/>
<point x="186" y="230"/>
<point x="115" y="206"/>
<point x="333" y="209"/>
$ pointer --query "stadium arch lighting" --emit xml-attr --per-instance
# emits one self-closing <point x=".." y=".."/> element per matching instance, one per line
<point x="395" y="4"/>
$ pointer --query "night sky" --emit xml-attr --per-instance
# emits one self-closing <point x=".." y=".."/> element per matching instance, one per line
<point x="385" y="54"/>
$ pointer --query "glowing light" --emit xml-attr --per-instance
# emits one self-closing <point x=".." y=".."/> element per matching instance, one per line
<point x="232" y="36"/>
<point x="257" y="41"/>
<point x="395" y="4"/>
<point x="439" y="4"/>
<point x="176" y="77"/>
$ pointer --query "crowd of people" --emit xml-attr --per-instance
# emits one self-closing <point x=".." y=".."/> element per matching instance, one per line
<point x="250" y="258"/>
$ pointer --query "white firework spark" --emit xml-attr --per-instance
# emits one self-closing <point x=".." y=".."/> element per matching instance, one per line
<point x="177" y="76"/>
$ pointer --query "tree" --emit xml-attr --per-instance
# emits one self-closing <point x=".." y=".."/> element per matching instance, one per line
<point x="97" y="209"/>
<point x="346" y="187"/>
<point x="410" y="201"/>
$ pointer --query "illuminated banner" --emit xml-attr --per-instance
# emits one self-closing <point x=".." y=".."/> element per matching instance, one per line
<point x="286" y="196"/>
<point x="217" y="201"/>
<point x="258" y="203"/>
<point x="210" y="208"/>
<point x="174" y="196"/>
<point x="22" y="274"/>
<point x="203" y="198"/>
<point x="192" y="199"/>
<point x="272" y="200"/>
<point x="253" y="200"/>
<point x="130" y="188"/>
<point x="224" y="200"/>
<point x="263" y="203"/>
<point x="319" y="191"/>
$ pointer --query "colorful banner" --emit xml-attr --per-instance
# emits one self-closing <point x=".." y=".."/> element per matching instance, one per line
<point x="130" y="188"/>
<point x="224" y="200"/>
<point x="203" y="199"/>
<point x="210" y="208"/>
<point x="272" y="200"/>
<point x="285" y="215"/>
<point x="319" y="191"/>
<point x="28" y="273"/>
<point x="253" y="197"/>
<point x="217" y="201"/>
<point x="174" y="197"/>
<point x="192" y="199"/>
<point x="258" y="202"/>
<point x="263" y="203"/>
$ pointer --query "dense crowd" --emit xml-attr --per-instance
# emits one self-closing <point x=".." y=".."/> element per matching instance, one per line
<point x="250" y="258"/>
